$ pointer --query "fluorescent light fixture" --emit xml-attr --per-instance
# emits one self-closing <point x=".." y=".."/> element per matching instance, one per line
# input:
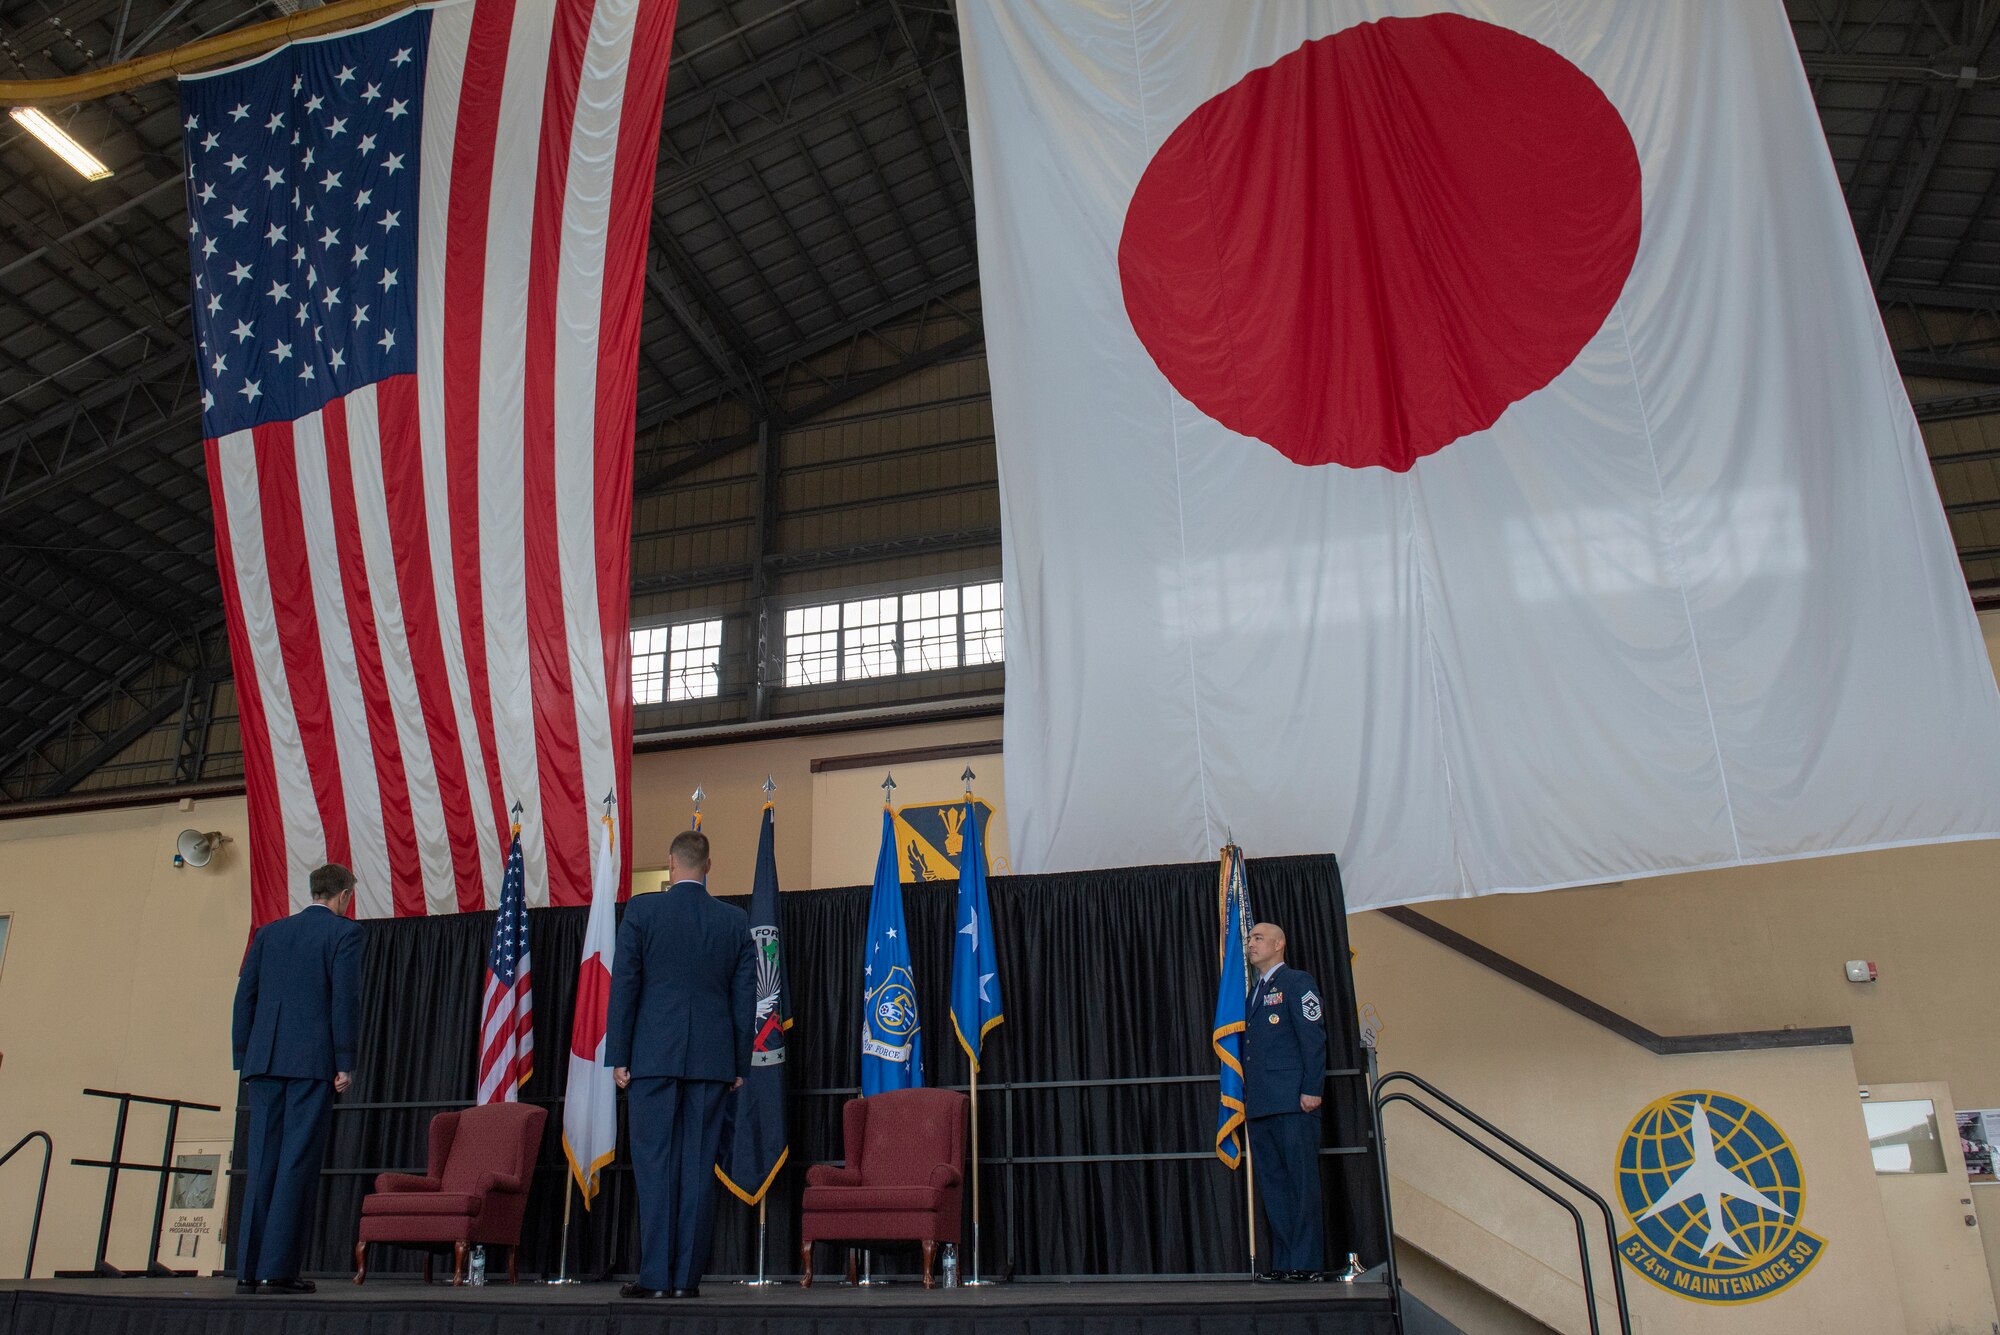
<point x="76" y="155"/>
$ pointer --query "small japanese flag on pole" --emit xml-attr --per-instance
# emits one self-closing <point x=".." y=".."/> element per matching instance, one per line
<point x="590" y="1106"/>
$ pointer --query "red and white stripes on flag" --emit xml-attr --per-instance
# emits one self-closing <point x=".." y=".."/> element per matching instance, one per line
<point x="507" y="1012"/>
<point x="427" y="578"/>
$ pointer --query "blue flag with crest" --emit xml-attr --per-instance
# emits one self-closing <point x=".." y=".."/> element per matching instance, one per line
<point x="758" y="1145"/>
<point x="892" y="1037"/>
<point x="975" y="960"/>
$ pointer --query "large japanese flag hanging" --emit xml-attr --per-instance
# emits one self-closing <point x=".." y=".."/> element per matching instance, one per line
<point x="1456" y="437"/>
<point x="418" y="252"/>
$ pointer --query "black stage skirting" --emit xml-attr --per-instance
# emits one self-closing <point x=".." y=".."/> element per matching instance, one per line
<point x="1097" y="1101"/>
<point x="210" y="1307"/>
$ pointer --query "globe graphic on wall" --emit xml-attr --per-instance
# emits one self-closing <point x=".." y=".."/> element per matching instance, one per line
<point x="1659" y="1148"/>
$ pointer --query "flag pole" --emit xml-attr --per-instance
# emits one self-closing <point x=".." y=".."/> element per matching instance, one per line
<point x="975" y="1175"/>
<point x="569" y="1178"/>
<point x="569" y="1194"/>
<point x="975" y="1280"/>
<point x="1249" y="1167"/>
<point x="761" y="1282"/>
<point x="1250" y="1198"/>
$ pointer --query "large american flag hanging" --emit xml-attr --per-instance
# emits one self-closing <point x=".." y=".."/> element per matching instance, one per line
<point x="507" y="1012"/>
<point x="418" y="251"/>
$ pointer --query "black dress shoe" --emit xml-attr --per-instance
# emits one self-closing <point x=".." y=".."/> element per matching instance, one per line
<point x="290" y="1286"/>
<point x="686" y="1293"/>
<point x="1272" y="1276"/>
<point x="246" y="1287"/>
<point x="1305" y="1276"/>
<point x="638" y="1290"/>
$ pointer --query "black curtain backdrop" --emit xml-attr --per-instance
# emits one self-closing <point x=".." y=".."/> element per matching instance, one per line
<point x="1096" y="1102"/>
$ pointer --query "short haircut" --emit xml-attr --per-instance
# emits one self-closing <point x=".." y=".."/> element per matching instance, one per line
<point x="689" y="849"/>
<point x="330" y="880"/>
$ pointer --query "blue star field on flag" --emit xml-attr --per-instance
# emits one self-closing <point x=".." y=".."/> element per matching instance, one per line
<point x="302" y="222"/>
<point x="510" y="924"/>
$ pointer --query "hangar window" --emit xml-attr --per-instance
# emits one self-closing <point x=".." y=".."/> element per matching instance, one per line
<point x="925" y="630"/>
<point x="673" y="663"/>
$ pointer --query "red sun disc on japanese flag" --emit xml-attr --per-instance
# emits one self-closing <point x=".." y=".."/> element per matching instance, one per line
<point x="593" y="990"/>
<point x="1371" y="247"/>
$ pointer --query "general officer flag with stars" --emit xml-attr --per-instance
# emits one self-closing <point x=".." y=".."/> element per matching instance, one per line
<point x="1231" y="1002"/>
<point x="975" y="961"/>
<point x="892" y="1046"/>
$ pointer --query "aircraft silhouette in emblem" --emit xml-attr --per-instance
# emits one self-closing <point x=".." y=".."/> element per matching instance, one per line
<point x="1712" y="1182"/>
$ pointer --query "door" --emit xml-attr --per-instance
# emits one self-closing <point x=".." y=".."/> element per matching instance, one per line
<point x="1934" y="1238"/>
<point x="197" y="1204"/>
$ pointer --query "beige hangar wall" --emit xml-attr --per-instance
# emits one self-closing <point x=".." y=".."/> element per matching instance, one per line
<point x="119" y="969"/>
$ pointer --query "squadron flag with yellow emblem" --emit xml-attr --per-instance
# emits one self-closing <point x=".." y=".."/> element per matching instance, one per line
<point x="892" y="1052"/>
<point x="1232" y="995"/>
<point x="932" y="836"/>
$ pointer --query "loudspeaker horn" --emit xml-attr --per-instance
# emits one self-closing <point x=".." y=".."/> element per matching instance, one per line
<point x="194" y="848"/>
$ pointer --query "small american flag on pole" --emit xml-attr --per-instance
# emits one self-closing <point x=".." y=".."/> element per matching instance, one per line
<point x="418" y="253"/>
<point x="507" y="1029"/>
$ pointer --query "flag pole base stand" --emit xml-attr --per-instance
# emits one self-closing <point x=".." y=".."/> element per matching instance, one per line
<point x="760" y="1283"/>
<point x="562" y="1281"/>
<point x="977" y="1283"/>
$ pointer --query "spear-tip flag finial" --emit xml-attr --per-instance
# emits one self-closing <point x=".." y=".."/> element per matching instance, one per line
<point x="770" y="786"/>
<point x="968" y="777"/>
<point x="888" y="789"/>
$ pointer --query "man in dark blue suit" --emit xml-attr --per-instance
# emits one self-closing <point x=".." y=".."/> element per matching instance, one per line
<point x="1284" y="1069"/>
<point x="298" y="1016"/>
<point x="678" y="1037"/>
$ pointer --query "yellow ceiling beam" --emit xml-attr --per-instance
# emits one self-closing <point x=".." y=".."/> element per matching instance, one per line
<point x="206" y="54"/>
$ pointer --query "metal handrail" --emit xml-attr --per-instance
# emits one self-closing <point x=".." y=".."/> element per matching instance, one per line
<point x="1381" y="1101"/>
<point x="41" y="1192"/>
<point x="1582" y="1239"/>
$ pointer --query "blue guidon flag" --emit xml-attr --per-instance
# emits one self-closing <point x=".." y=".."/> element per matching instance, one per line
<point x="1232" y="998"/>
<point x="892" y="1036"/>
<point x="975" y="956"/>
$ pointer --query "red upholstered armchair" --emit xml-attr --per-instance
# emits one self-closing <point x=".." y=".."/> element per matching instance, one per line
<point x="475" y="1189"/>
<point x="903" y="1182"/>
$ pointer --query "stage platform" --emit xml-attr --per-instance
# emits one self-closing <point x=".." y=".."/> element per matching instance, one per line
<point x="404" y="1307"/>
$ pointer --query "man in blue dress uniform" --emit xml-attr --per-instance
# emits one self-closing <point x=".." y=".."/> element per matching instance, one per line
<point x="1284" y="1068"/>
<point x="678" y="1040"/>
<point x="298" y="1017"/>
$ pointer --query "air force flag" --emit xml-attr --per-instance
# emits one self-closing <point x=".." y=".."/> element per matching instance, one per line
<point x="975" y="963"/>
<point x="892" y="1049"/>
